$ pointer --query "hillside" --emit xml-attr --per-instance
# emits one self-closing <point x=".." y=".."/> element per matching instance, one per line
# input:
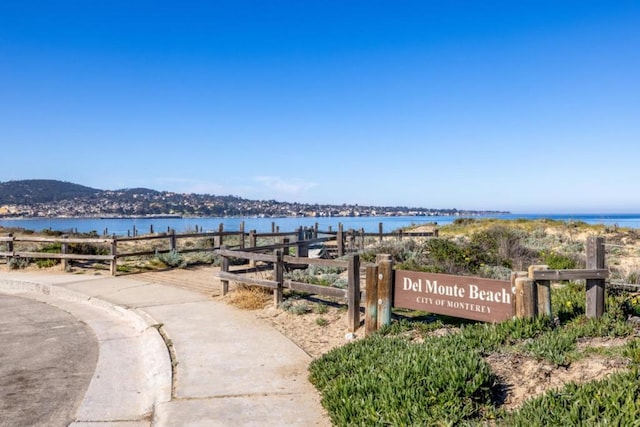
<point x="29" y="191"/>
<point x="51" y="198"/>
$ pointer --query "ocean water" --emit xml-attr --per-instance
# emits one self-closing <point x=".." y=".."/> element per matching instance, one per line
<point x="121" y="227"/>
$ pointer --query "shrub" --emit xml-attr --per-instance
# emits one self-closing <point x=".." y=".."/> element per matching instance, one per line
<point x="400" y="250"/>
<point x="495" y="272"/>
<point x="502" y="246"/>
<point x="323" y="276"/>
<point x="320" y="308"/>
<point x="557" y="261"/>
<point x="47" y="262"/>
<point x="87" y="249"/>
<point x="464" y="221"/>
<point x="448" y="257"/>
<point x="293" y="307"/>
<point x="632" y="306"/>
<point x="18" y="263"/>
<point x="633" y="278"/>
<point x="171" y="258"/>
<point x="321" y="321"/>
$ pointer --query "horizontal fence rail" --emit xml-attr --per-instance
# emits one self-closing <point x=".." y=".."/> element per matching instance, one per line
<point x="575" y="274"/>
<point x="282" y="263"/>
<point x="334" y="243"/>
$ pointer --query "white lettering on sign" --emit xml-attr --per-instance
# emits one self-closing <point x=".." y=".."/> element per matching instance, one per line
<point x="470" y="291"/>
<point x="463" y="296"/>
<point x="491" y="296"/>
<point x="446" y="290"/>
<point x="408" y="285"/>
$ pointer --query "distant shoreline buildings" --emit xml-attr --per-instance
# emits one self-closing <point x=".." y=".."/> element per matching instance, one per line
<point x="55" y="199"/>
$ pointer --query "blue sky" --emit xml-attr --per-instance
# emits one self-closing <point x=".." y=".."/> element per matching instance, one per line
<point x="526" y="106"/>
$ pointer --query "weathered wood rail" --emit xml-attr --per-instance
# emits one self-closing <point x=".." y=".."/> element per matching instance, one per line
<point x="533" y="288"/>
<point x="278" y="283"/>
<point x="111" y="252"/>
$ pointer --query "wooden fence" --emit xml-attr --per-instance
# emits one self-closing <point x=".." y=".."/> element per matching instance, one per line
<point x="532" y="288"/>
<point x="64" y="255"/>
<point x="344" y="242"/>
<point x="281" y="263"/>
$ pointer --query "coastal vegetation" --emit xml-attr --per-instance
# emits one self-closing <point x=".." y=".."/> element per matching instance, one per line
<point x="439" y="372"/>
<point x="426" y="369"/>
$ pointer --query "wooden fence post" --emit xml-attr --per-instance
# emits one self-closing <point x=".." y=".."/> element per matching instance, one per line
<point x="225" y="269"/>
<point x="371" y="308"/>
<point x="253" y="242"/>
<point x="516" y="275"/>
<point x="543" y="291"/>
<point x="242" y="235"/>
<point x="302" y="248"/>
<point x="340" y="240"/>
<point x="353" y="293"/>
<point x="315" y="231"/>
<point x="385" y="288"/>
<point x="65" y="250"/>
<point x="526" y="298"/>
<point x="173" y="241"/>
<point x="220" y="238"/>
<point x="278" y="276"/>
<point x="595" y="287"/>
<point x="114" y="254"/>
<point x="362" y="239"/>
<point x="10" y="245"/>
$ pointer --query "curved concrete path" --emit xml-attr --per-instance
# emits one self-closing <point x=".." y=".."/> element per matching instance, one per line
<point x="226" y="368"/>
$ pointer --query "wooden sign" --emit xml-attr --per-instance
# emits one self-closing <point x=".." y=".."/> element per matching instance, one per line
<point x="458" y="296"/>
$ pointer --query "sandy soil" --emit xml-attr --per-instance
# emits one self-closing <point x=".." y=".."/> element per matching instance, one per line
<point x="523" y="377"/>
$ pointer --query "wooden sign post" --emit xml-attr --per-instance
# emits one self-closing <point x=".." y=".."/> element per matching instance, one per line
<point x="595" y="287"/>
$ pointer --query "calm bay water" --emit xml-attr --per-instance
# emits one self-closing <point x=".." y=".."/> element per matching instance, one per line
<point x="121" y="227"/>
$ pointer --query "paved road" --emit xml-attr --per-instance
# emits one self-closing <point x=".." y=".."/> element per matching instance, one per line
<point x="47" y="360"/>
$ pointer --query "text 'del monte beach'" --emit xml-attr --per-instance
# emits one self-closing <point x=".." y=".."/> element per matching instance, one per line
<point x="459" y="296"/>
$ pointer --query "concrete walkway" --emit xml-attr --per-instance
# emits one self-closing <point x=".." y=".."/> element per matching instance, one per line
<point x="173" y="357"/>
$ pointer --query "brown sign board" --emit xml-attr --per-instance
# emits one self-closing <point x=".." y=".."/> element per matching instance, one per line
<point x="467" y="297"/>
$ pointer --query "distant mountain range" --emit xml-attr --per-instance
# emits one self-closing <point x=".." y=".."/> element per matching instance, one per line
<point x="53" y="198"/>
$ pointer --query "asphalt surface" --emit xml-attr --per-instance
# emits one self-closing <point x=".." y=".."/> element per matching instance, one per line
<point x="47" y="360"/>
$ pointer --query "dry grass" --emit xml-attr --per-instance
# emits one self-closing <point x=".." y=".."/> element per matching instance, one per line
<point x="249" y="297"/>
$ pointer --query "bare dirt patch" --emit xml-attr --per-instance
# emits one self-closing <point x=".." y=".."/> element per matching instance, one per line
<point x="314" y="336"/>
<point x="523" y="377"/>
